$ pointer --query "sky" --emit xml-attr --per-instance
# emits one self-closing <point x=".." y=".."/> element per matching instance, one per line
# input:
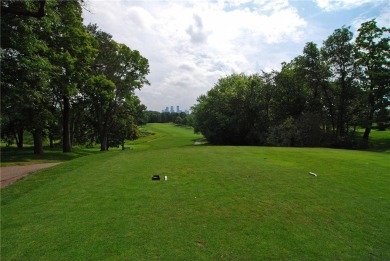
<point x="190" y="44"/>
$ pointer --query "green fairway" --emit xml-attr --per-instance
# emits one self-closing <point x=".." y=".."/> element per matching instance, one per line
<point x="219" y="203"/>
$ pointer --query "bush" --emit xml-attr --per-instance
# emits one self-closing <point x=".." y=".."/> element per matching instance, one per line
<point x="286" y="134"/>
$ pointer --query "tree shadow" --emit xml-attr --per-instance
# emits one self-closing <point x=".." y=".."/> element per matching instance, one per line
<point x="14" y="156"/>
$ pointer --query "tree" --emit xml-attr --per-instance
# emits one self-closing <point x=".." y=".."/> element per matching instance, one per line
<point x="339" y="56"/>
<point x="25" y="77"/>
<point x="290" y="98"/>
<point x="232" y="112"/>
<point x="20" y="8"/>
<point x="118" y="72"/>
<point x="71" y="55"/>
<point x="268" y="93"/>
<point x="34" y="8"/>
<point x="100" y="94"/>
<point x="52" y="65"/>
<point x="286" y="134"/>
<point x="124" y="123"/>
<point x="373" y="58"/>
<point x="153" y="116"/>
<point x="316" y="74"/>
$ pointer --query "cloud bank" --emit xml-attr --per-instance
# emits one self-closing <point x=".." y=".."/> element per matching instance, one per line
<point x="191" y="44"/>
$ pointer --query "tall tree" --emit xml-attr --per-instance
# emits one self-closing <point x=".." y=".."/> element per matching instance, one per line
<point x="118" y="71"/>
<point x="315" y="74"/>
<point x="24" y="78"/>
<point x="339" y="55"/>
<point x="71" y="55"/>
<point x="373" y="58"/>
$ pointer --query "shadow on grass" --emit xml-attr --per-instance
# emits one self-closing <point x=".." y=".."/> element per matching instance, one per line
<point x="14" y="156"/>
<point x="379" y="141"/>
<point x="380" y="144"/>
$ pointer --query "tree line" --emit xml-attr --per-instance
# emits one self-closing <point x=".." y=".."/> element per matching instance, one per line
<point x="181" y="118"/>
<point x="317" y="99"/>
<point x="65" y="81"/>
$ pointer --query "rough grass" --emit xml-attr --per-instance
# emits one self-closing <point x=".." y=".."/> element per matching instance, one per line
<point x="219" y="203"/>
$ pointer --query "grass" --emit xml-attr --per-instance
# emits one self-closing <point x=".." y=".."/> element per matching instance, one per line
<point x="11" y="156"/>
<point x="379" y="140"/>
<point x="219" y="203"/>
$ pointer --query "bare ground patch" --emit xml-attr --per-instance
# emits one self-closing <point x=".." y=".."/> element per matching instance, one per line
<point x="12" y="173"/>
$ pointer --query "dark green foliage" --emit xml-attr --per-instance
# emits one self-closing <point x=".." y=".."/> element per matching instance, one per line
<point x="25" y="72"/>
<point x="64" y="81"/>
<point x="373" y="60"/>
<point x="319" y="98"/>
<point x="291" y="97"/>
<point x="31" y="9"/>
<point x="72" y="54"/>
<point x="302" y="132"/>
<point x="233" y="112"/>
<point x="152" y="116"/>
<point x="181" y="118"/>
<point x="339" y="56"/>
<point x="111" y="105"/>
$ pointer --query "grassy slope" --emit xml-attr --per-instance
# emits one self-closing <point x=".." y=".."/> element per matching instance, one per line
<point x="220" y="203"/>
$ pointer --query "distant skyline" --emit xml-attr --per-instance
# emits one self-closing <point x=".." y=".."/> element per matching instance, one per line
<point x="191" y="44"/>
<point x="172" y="108"/>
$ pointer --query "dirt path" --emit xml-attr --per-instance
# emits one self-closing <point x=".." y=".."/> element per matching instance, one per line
<point x="12" y="173"/>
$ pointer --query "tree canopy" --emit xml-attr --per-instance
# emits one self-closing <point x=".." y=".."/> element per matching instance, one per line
<point x="317" y="99"/>
<point x="63" y="80"/>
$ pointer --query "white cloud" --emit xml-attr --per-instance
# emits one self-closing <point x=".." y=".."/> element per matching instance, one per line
<point x="382" y="19"/>
<point x="332" y="5"/>
<point x="190" y="44"/>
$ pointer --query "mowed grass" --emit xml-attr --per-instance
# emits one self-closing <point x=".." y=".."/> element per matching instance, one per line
<point x="219" y="203"/>
<point x="12" y="156"/>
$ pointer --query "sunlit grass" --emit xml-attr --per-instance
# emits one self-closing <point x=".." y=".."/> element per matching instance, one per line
<point x="219" y="203"/>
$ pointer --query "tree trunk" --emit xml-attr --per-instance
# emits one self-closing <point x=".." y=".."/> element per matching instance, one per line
<point x="66" y="144"/>
<point x="19" y="137"/>
<point x="103" y="138"/>
<point x="340" y="123"/>
<point x="367" y="133"/>
<point x="71" y="128"/>
<point x="38" y="142"/>
<point x="330" y="106"/>
<point x="342" y="110"/>
<point x="103" y="142"/>
<point x="51" y="139"/>
<point x="370" y="115"/>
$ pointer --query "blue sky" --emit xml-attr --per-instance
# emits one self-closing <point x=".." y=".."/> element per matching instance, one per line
<point x="191" y="44"/>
